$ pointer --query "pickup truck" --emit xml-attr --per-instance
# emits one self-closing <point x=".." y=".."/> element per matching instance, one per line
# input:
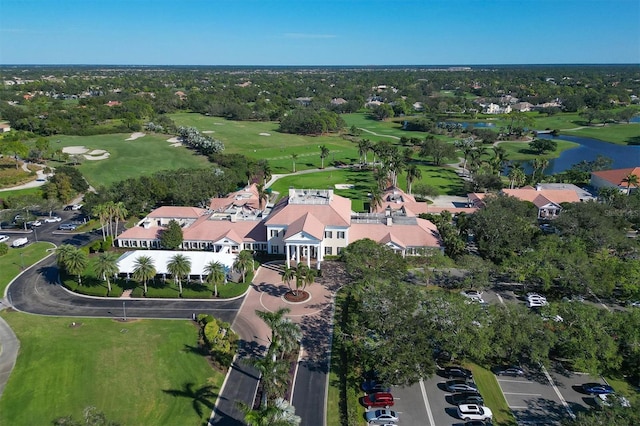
<point x="19" y="242"/>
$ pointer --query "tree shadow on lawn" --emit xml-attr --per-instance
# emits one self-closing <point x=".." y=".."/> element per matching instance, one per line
<point x="201" y="397"/>
<point x="634" y="140"/>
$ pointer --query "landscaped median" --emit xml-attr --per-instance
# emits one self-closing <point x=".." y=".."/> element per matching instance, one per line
<point x="492" y="394"/>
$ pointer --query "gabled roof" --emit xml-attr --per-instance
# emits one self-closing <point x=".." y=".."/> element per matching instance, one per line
<point x="177" y="212"/>
<point x="618" y="176"/>
<point x="423" y="235"/>
<point x="141" y="233"/>
<point x="246" y="197"/>
<point x="337" y="212"/>
<point x="205" y="229"/>
<point x="308" y="224"/>
<point x="533" y="195"/>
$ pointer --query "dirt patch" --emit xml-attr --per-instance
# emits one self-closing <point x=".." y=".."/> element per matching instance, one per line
<point x="300" y="296"/>
<point x="136" y="135"/>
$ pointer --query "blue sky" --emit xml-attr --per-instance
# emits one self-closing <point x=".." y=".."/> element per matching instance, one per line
<point x="312" y="32"/>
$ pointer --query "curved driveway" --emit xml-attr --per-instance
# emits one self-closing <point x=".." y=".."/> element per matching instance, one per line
<point x="36" y="291"/>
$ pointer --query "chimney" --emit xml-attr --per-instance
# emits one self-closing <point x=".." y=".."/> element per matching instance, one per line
<point x="538" y="187"/>
<point x="389" y="221"/>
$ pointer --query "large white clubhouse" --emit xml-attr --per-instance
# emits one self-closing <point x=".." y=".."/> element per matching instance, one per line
<point x="305" y="226"/>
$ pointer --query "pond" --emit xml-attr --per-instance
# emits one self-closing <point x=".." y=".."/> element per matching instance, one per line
<point x="623" y="156"/>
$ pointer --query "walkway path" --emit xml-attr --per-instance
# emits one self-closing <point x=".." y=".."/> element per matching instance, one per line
<point x="33" y="184"/>
<point x="378" y="134"/>
<point x="301" y="172"/>
<point x="314" y="317"/>
<point x="8" y="352"/>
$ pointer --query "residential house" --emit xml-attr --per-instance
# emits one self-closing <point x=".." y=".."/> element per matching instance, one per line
<point x="5" y="127"/>
<point x="615" y="179"/>
<point x="522" y="106"/>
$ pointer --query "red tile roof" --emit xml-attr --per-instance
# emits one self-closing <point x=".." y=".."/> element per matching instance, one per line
<point x="617" y="176"/>
<point x="423" y="235"/>
<point x="177" y="212"/>
<point x="335" y="213"/>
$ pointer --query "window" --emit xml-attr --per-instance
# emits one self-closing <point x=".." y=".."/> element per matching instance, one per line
<point x="328" y="234"/>
<point x="339" y="250"/>
<point x="341" y="235"/>
<point x="328" y="250"/>
<point x="275" y="249"/>
<point x="274" y="233"/>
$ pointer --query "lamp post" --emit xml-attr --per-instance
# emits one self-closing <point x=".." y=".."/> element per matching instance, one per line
<point x="124" y="311"/>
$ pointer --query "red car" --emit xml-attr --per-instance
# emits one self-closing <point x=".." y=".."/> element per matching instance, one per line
<point x="378" y="399"/>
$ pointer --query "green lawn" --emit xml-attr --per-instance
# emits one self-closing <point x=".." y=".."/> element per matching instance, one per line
<point x="12" y="262"/>
<point x="492" y="394"/>
<point x="519" y="151"/>
<point x="244" y="137"/>
<point x="129" y="159"/>
<point x="622" y="134"/>
<point x="145" y="372"/>
<point x="623" y="387"/>
<point x="20" y="192"/>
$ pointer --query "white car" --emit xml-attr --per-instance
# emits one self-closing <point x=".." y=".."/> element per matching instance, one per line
<point x="34" y="223"/>
<point x="52" y="219"/>
<point x="76" y="207"/>
<point x="537" y="303"/>
<point x="381" y="417"/>
<point x="474" y="412"/>
<point x="473" y="295"/>
<point x="19" y="242"/>
<point x="4" y="238"/>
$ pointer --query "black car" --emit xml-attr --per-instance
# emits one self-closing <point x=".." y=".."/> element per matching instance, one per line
<point x="374" y="386"/>
<point x="476" y="423"/>
<point x="457" y="372"/>
<point x="467" y="398"/>
<point x="67" y="208"/>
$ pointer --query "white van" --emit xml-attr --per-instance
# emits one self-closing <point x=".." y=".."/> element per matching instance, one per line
<point x="19" y="242"/>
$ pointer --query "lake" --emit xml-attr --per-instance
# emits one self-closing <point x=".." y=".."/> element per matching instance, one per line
<point x="623" y="156"/>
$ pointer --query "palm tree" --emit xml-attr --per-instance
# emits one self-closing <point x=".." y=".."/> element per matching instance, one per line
<point x="324" y="153"/>
<point x="75" y="262"/>
<point x="62" y="254"/>
<point x="309" y="278"/>
<point x="110" y="209"/>
<point x="536" y="164"/>
<point x="544" y="163"/>
<point x="290" y="336"/>
<point x="262" y="194"/>
<point x="274" y="374"/>
<point x="265" y="169"/>
<point x="243" y="262"/>
<point x="631" y="179"/>
<point x="100" y="211"/>
<point x="280" y="413"/>
<point x="516" y="175"/>
<point x="273" y="321"/>
<point x="107" y="266"/>
<point x="376" y="199"/>
<point x="294" y="157"/>
<point x="413" y="173"/>
<point x="287" y="276"/>
<point x="144" y="270"/>
<point x="363" y="146"/>
<point x="119" y="213"/>
<point x="300" y="275"/>
<point x="216" y="274"/>
<point x="179" y="266"/>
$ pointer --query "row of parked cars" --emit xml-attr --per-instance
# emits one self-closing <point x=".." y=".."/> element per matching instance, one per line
<point x="465" y="395"/>
<point x="379" y="398"/>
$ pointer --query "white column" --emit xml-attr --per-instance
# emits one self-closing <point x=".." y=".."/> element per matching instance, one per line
<point x="297" y="253"/>
<point x="320" y="255"/>
<point x="288" y="250"/>
<point x="308" y="255"/>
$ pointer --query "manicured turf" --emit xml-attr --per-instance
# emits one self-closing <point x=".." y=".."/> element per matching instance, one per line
<point x="622" y="134"/>
<point x="244" y="137"/>
<point x="492" y="394"/>
<point x="519" y="151"/>
<point x="141" y="372"/>
<point x="12" y="262"/>
<point x="20" y="192"/>
<point x="127" y="159"/>
<point x="624" y="388"/>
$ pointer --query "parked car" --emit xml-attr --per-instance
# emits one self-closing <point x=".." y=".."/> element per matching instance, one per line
<point x="475" y="423"/>
<point x="374" y="386"/>
<point x="67" y="208"/>
<point x="67" y="227"/>
<point x="382" y="416"/>
<point x="635" y="304"/>
<point x="597" y="388"/>
<point x="467" y="398"/>
<point x="607" y="400"/>
<point x="4" y="238"/>
<point x="474" y="412"/>
<point x="461" y="386"/>
<point x="378" y="399"/>
<point x="537" y="303"/>
<point x="513" y="371"/>
<point x="34" y="223"/>
<point x="472" y="294"/>
<point x="52" y="219"/>
<point x="76" y="207"/>
<point x="19" y="242"/>
<point x="457" y="372"/>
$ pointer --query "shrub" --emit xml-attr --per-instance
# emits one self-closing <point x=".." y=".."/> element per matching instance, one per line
<point x="106" y="244"/>
<point x="95" y="246"/>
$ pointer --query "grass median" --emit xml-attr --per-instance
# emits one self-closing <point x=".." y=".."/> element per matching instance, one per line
<point x="492" y="395"/>
<point x="17" y="259"/>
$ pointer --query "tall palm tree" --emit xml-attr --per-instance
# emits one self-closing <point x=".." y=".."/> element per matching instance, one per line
<point x="544" y="163"/>
<point x="376" y="199"/>
<point x="62" y="254"/>
<point x="144" y="270"/>
<point x="324" y="153"/>
<point x="243" y="262"/>
<point x="413" y="173"/>
<point x="107" y="266"/>
<point x="265" y="169"/>
<point x="301" y="273"/>
<point x="294" y="157"/>
<point x="631" y="180"/>
<point x="119" y="213"/>
<point x="274" y="374"/>
<point x="262" y="194"/>
<point x="274" y="320"/>
<point x="101" y="212"/>
<point x="536" y="164"/>
<point x="179" y="266"/>
<point x="75" y="262"/>
<point x="216" y="274"/>
<point x="288" y="275"/>
<point x="516" y="175"/>
<point x="278" y="413"/>
<point x="309" y="278"/>
<point x="110" y="208"/>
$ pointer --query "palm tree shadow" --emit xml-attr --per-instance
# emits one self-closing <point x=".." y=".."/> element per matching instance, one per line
<point x="201" y="397"/>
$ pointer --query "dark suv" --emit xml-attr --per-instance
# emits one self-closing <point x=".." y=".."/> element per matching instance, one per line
<point x="457" y="372"/>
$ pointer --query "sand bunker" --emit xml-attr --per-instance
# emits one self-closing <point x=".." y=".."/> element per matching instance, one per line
<point x="135" y="136"/>
<point x="173" y="139"/>
<point x="265" y="134"/>
<point x="344" y="186"/>
<point x="104" y="156"/>
<point x="208" y="131"/>
<point x="74" y="150"/>
<point x="96" y="152"/>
